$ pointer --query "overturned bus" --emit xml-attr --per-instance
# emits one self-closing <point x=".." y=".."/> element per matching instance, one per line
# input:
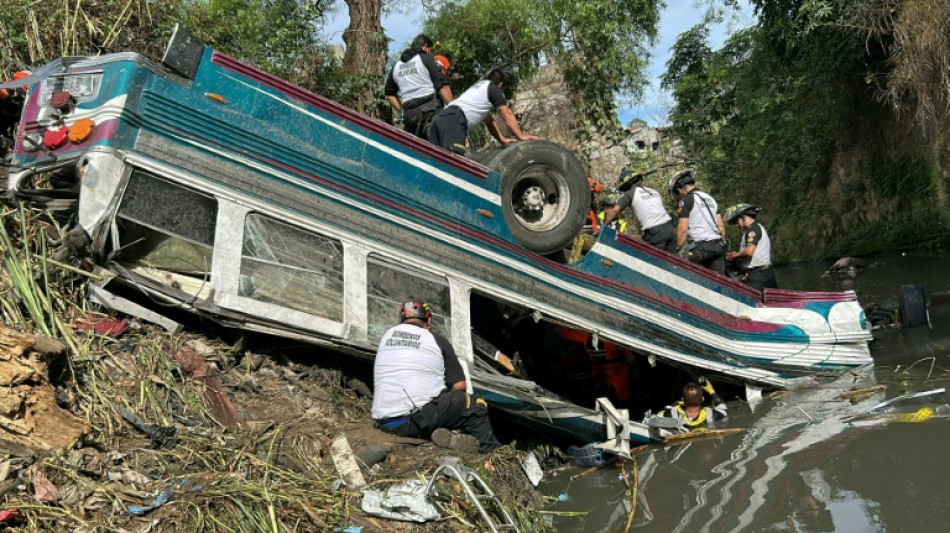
<point x="209" y="185"/>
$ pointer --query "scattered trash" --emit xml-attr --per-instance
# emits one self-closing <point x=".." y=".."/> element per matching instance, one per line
<point x="160" y="437"/>
<point x="563" y="497"/>
<point x="11" y="517"/>
<point x="195" y="367"/>
<point x="371" y="455"/>
<point x="43" y="489"/>
<point x="164" y="497"/>
<point x="352" y="529"/>
<point x="892" y="401"/>
<point x="532" y="468"/>
<point x="406" y="502"/>
<point x="846" y="267"/>
<point x="345" y="463"/>
<point x="587" y="455"/>
<point x="103" y="326"/>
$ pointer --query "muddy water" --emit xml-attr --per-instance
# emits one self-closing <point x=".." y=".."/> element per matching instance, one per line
<point x="800" y="467"/>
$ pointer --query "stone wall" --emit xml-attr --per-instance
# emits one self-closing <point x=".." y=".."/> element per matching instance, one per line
<point x="547" y="110"/>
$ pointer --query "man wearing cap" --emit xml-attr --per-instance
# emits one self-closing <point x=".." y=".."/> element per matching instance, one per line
<point x="647" y="205"/>
<point x="754" y="258"/>
<point x="700" y="233"/>
<point x="415" y="86"/>
<point x="419" y="387"/>
<point x="450" y="126"/>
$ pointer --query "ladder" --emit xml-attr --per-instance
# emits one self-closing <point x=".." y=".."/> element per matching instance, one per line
<point x="478" y="493"/>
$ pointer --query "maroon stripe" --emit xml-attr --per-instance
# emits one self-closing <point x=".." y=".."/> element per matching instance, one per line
<point x="325" y="104"/>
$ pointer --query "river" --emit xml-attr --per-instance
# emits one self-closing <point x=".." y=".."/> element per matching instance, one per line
<point x="800" y="467"/>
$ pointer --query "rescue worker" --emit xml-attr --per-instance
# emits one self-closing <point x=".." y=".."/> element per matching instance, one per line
<point x="647" y="205"/>
<point x="419" y="386"/>
<point x="417" y="86"/>
<point x="753" y="261"/>
<point x="700" y="234"/>
<point x="610" y="201"/>
<point x="450" y="126"/>
<point x="592" y="224"/>
<point x="692" y="412"/>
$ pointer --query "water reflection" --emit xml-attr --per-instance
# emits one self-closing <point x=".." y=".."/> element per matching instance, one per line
<point x="800" y="467"/>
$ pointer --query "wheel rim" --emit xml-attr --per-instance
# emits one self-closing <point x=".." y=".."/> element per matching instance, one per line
<point x="540" y="198"/>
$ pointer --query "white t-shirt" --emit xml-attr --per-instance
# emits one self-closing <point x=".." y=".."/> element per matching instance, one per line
<point x="413" y="79"/>
<point x="647" y="206"/>
<point x="478" y="101"/>
<point x="701" y="210"/>
<point x="409" y="365"/>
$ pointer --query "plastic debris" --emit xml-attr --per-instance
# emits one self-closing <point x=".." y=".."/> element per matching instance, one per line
<point x="164" y="497"/>
<point x="532" y="468"/>
<point x="43" y="488"/>
<point x="159" y="436"/>
<point x="11" y="517"/>
<point x="352" y="529"/>
<point x="345" y="463"/>
<point x="563" y="497"/>
<point x="406" y="501"/>
<point x="103" y="326"/>
<point x="587" y="455"/>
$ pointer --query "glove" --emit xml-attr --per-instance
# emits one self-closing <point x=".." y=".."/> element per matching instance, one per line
<point x="706" y="385"/>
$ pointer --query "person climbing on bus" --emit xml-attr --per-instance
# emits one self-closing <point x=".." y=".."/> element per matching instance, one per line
<point x="450" y="126"/>
<point x="692" y="412"/>
<point x="418" y="86"/>
<point x="753" y="261"/>
<point x="647" y="204"/>
<point x="419" y="387"/>
<point x="700" y="234"/>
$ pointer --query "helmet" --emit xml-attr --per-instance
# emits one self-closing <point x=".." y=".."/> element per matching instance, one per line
<point x="594" y="185"/>
<point x="612" y="198"/>
<point x="628" y="178"/>
<point x="414" y="309"/>
<point x="444" y="61"/>
<point x="736" y="211"/>
<point x="680" y="180"/>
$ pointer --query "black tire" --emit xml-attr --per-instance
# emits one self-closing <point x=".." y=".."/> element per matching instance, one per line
<point x="544" y="193"/>
<point x="912" y="306"/>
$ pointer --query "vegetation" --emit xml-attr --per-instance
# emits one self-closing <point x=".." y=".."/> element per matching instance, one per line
<point x="829" y="114"/>
<point x="600" y="45"/>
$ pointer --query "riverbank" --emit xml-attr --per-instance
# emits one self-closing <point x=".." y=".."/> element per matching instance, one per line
<point x="194" y="432"/>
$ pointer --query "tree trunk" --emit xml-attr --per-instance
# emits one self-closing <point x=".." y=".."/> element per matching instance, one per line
<point x="365" y="55"/>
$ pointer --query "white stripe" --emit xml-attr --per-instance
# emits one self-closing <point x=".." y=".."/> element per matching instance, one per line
<point x="445" y="176"/>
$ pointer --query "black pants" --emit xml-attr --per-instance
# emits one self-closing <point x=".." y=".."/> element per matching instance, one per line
<point x="710" y="254"/>
<point x="449" y="129"/>
<point x="418" y="113"/>
<point x="451" y="410"/>
<point x="759" y="278"/>
<point x="663" y="236"/>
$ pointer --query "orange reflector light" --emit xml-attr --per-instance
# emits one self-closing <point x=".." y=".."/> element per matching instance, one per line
<point x="485" y="213"/>
<point x="53" y="139"/>
<point x="608" y="262"/>
<point x="216" y="97"/>
<point x="745" y="317"/>
<point x="81" y="130"/>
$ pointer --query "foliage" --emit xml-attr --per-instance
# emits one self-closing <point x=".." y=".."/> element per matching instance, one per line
<point x="280" y="36"/>
<point x="787" y="115"/>
<point x="601" y="46"/>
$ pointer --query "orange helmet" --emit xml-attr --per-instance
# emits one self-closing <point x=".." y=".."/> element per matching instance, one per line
<point x="444" y="61"/>
<point x="595" y="186"/>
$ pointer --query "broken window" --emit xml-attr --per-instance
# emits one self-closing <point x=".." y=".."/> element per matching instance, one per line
<point x="166" y="226"/>
<point x="391" y="285"/>
<point x="293" y="268"/>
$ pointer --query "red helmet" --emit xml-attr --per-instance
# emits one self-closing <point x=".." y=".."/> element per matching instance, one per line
<point x="444" y="61"/>
<point x="595" y="186"/>
<point x="414" y="309"/>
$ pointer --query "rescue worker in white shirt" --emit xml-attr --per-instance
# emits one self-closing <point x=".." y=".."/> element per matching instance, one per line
<point x="700" y="234"/>
<point x="419" y="384"/>
<point x="647" y="205"/>
<point x="692" y="412"/>
<point x="608" y="203"/>
<point x="754" y="258"/>
<point x="450" y="127"/>
<point x="417" y="86"/>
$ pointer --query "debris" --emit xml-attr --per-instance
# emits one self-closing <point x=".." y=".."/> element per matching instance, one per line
<point x="677" y="439"/>
<point x="101" y="296"/>
<point x="846" y="267"/>
<point x="345" y="463"/>
<point x="195" y="367"/>
<point x="103" y="326"/>
<point x="11" y="517"/>
<point x="371" y="455"/>
<point x="159" y="436"/>
<point x="587" y="455"/>
<point x="532" y="469"/>
<point x="43" y="489"/>
<point x="905" y="397"/>
<point x="29" y="413"/>
<point x="407" y="502"/>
